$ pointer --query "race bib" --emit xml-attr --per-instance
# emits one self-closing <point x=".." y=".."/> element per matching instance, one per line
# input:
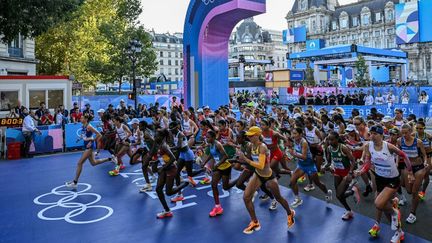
<point x="382" y="171"/>
<point x="338" y="166"/>
<point x="268" y="140"/>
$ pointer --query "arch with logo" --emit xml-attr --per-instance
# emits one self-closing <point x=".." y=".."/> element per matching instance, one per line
<point x="207" y="29"/>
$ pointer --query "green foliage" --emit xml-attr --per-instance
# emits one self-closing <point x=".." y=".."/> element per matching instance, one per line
<point x="91" y="46"/>
<point x="31" y="18"/>
<point x="362" y="69"/>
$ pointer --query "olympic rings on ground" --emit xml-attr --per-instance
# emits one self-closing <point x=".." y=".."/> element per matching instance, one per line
<point x="66" y="202"/>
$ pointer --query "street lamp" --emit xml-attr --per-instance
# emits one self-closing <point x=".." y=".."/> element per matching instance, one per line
<point x="133" y="49"/>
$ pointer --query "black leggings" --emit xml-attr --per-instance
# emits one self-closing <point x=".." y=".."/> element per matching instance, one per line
<point x="170" y="190"/>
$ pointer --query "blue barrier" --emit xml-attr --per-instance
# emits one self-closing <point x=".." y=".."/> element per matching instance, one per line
<point x="50" y="140"/>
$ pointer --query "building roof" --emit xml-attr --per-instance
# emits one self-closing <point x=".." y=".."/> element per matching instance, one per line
<point x="354" y="9"/>
<point x="250" y="32"/>
<point x="316" y="3"/>
<point x="166" y="38"/>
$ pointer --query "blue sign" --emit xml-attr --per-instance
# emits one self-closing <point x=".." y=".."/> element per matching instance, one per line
<point x="315" y="44"/>
<point x="425" y="19"/>
<point x="294" y="35"/>
<point x="48" y="141"/>
<point x="297" y="75"/>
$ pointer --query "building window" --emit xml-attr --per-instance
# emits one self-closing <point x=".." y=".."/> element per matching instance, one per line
<point x="389" y="31"/>
<point x="303" y="5"/>
<point x="333" y="25"/>
<point x="378" y="17"/>
<point x="55" y="98"/>
<point x="344" y="23"/>
<point x="355" y="21"/>
<point x="15" y="47"/>
<point x="365" y="19"/>
<point x="176" y="71"/>
<point x="377" y="33"/>
<point x="169" y="54"/>
<point x="161" y="54"/>
<point x="366" y="35"/>
<point x="176" y="62"/>
<point x="176" y="54"/>
<point x="161" y="62"/>
<point x="36" y="97"/>
<point x="169" y="62"/>
<point x="181" y="55"/>
<point x="161" y="70"/>
<point x="8" y="100"/>
<point x="169" y="46"/>
<point x="354" y="36"/>
<point x="389" y="16"/>
<point x="169" y="71"/>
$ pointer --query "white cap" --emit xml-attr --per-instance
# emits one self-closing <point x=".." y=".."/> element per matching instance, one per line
<point x="350" y="128"/>
<point x="296" y="115"/>
<point x="206" y="107"/>
<point x="134" y="121"/>
<point x="387" y="119"/>
<point x="200" y="110"/>
<point x="122" y="100"/>
<point x="101" y="111"/>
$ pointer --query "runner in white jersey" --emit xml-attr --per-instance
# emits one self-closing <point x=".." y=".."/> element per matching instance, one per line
<point x="122" y="144"/>
<point x="381" y="156"/>
<point x="190" y="129"/>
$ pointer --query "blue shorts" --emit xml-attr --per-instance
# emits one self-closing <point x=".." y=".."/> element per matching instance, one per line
<point x="308" y="169"/>
<point x="187" y="155"/>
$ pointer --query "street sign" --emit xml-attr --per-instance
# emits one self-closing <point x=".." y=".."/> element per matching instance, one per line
<point x="77" y="85"/>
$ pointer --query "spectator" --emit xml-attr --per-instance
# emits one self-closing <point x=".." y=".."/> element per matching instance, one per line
<point x="340" y="98"/>
<point x="110" y="110"/>
<point x="318" y="99"/>
<point x="423" y="98"/>
<point x="310" y="98"/>
<point x="391" y="98"/>
<point x="369" y="99"/>
<point x="76" y="115"/>
<point x="375" y="115"/>
<point x="65" y="113"/>
<point x="332" y="98"/>
<point x="174" y="103"/>
<point x="302" y="100"/>
<point x="87" y="111"/>
<point x="122" y="106"/>
<point x="131" y="112"/>
<point x="74" y="109"/>
<point x="355" y="98"/>
<point x="405" y="98"/>
<point x="362" y="96"/>
<point x="58" y="117"/>
<point x="47" y="118"/>
<point x="41" y="111"/>
<point x="379" y="100"/>
<point x="28" y="131"/>
<point x="348" y="99"/>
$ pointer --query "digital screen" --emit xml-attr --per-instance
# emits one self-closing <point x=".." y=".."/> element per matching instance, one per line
<point x="11" y="122"/>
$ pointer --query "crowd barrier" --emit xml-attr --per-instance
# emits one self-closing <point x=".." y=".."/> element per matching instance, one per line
<point x="50" y="140"/>
<point x="54" y="138"/>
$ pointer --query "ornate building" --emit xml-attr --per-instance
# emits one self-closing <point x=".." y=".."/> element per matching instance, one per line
<point x="253" y="42"/>
<point x="169" y="53"/>
<point x="366" y="22"/>
<point x="18" y="57"/>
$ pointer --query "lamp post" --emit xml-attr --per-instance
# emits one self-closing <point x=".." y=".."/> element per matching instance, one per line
<point x="133" y="49"/>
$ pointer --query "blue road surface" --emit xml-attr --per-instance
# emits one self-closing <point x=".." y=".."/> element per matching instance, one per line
<point x="36" y="207"/>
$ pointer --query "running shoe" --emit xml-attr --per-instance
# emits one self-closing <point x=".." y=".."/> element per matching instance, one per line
<point x="273" y="205"/>
<point x="177" y="198"/>
<point x="297" y="202"/>
<point x="329" y="196"/>
<point x="347" y="215"/>
<point x="356" y="191"/>
<point x="71" y="184"/>
<point x="402" y="200"/>
<point x="398" y="237"/>
<point x="422" y="195"/>
<point x="374" y="231"/>
<point x="192" y="181"/>
<point x="301" y="179"/>
<point x="164" y="214"/>
<point x="291" y="218"/>
<point x="146" y="188"/>
<point x="309" y="188"/>
<point x="205" y="181"/>
<point x="115" y="172"/>
<point x="411" y="218"/>
<point x="264" y="197"/>
<point x="253" y="226"/>
<point x="254" y="196"/>
<point x="217" y="210"/>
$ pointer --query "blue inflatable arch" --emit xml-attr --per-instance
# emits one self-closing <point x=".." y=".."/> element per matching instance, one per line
<point x="207" y="29"/>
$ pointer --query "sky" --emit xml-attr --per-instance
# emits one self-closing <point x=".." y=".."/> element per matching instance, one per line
<point x="163" y="16"/>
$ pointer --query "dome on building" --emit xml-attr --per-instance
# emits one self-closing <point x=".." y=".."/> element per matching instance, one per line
<point x="248" y="32"/>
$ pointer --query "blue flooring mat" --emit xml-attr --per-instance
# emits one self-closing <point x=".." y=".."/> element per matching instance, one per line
<point x="35" y="207"/>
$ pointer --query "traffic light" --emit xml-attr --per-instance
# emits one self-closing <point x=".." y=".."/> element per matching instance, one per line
<point x="131" y="96"/>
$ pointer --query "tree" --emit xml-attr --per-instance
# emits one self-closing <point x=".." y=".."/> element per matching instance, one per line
<point x="31" y="18"/>
<point x="91" y="44"/>
<point x="362" y="70"/>
<point x="310" y="79"/>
